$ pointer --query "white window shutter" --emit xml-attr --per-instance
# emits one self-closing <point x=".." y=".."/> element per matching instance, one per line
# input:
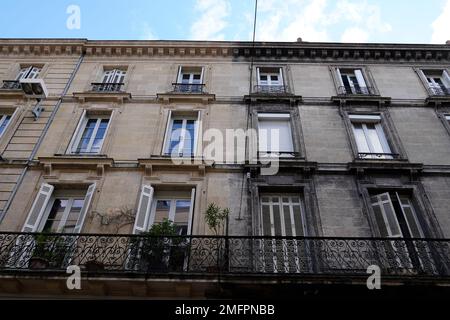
<point x="165" y="147"/>
<point x="338" y="73"/>
<point x="281" y="80"/>
<point x="143" y="209"/>
<point x="388" y="211"/>
<point x="77" y="133"/>
<point x="446" y="78"/>
<point x="38" y="208"/>
<point x="360" y="78"/>
<point x="179" y="74"/>
<point x="191" y="212"/>
<point x="85" y="208"/>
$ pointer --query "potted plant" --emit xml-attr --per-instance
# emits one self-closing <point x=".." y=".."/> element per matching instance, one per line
<point x="216" y="219"/>
<point x="47" y="252"/>
<point x="158" y="246"/>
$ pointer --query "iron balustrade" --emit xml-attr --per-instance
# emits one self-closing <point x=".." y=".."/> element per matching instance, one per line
<point x="438" y="91"/>
<point x="188" y="87"/>
<point x="347" y="90"/>
<point x="374" y="155"/>
<point x="107" y="87"/>
<point x="126" y="255"/>
<point x="271" y="89"/>
<point x="11" y="85"/>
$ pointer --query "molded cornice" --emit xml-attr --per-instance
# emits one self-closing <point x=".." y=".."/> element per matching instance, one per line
<point x="305" y="51"/>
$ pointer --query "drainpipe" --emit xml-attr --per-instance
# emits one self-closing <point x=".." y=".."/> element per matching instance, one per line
<point x="41" y="138"/>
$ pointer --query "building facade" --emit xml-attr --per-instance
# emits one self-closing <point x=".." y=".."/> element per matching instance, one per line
<point x="330" y="157"/>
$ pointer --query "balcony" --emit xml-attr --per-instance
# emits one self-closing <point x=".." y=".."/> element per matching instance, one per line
<point x="134" y="255"/>
<point x="188" y="88"/>
<point x="271" y="89"/>
<point x="438" y="91"/>
<point x="107" y="87"/>
<point x="377" y="156"/>
<point x="342" y="90"/>
<point x="11" y="85"/>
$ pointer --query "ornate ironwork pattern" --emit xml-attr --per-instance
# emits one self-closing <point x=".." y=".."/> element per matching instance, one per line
<point x="439" y="91"/>
<point x="144" y="255"/>
<point x="343" y="90"/>
<point x="11" y="85"/>
<point x="271" y="89"/>
<point x="373" y="155"/>
<point x="188" y="88"/>
<point x="107" y="87"/>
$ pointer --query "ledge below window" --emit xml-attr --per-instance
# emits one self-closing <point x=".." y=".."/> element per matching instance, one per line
<point x="102" y="96"/>
<point x="186" y="96"/>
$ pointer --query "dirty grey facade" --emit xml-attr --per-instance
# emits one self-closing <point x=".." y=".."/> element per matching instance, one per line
<point x="364" y="164"/>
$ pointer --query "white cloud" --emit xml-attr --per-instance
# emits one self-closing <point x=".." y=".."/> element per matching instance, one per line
<point x="441" y="26"/>
<point x="212" y="20"/>
<point x="314" y="20"/>
<point x="355" y="35"/>
<point x="147" y="32"/>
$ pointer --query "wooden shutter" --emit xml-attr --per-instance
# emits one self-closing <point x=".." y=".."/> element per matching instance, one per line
<point x="191" y="211"/>
<point x="143" y="209"/>
<point x="85" y="208"/>
<point x="38" y="208"/>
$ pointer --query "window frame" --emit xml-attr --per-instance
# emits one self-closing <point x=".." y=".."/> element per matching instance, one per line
<point x="191" y="78"/>
<point x="172" y="116"/>
<point x="27" y="71"/>
<point x="366" y="76"/>
<point x="277" y="116"/>
<point x="421" y="72"/>
<point x="390" y="133"/>
<point x="78" y="133"/>
<point x="279" y="74"/>
<point x="172" y="209"/>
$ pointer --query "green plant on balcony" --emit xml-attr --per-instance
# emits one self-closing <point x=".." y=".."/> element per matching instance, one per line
<point x="160" y="248"/>
<point x="48" y="251"/>
<point x="216" y="218"/>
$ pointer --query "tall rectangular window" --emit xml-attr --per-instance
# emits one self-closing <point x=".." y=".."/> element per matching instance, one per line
<point x="31" y="72"/>
<point x="370" y="137"/>
<point x="275" y="134"/>
<point x="438" y="82"/>
<point x="189" y="79"/>
<point x="270" y="80"/>
<point x="90" y="135"/>
<point x="181" y="136"/>
<point x="4" y="121"/>
<point x="352" y="81"/>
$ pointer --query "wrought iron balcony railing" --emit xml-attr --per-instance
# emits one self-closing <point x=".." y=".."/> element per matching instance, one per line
<point x="271" y="89"/>
<point x="11" y="85"/>
<point x="107" y="87"/>
<point x="188" y="88"/>
<point x="381" y="156"/>
<point x="126" y="255"/>
<point x="356" y="90"/>
<point x="439" y="91"/>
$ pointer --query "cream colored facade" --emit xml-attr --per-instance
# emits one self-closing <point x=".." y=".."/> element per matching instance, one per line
<point x="335" y="185"/>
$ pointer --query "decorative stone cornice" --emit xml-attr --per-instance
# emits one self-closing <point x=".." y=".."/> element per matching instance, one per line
<point x="303" y="51"/>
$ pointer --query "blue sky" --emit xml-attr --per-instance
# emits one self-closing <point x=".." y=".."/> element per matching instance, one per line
<point x="405" y="21"/>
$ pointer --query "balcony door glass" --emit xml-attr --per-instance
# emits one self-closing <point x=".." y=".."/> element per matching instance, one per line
<point x="370" y="137"/>
<point x="91" y="136"/>
<point x="64" y="214"/>
<point x="175" y="210"/>
<point x="282" y="215"/>
<point x="182" y="136"/>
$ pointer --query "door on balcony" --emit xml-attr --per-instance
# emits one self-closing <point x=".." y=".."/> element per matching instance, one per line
<point x="396" y="218"/>
<point x="190" y="79"/>
<point x="282" y="215"/>
<point x="352" y="81"/>
<point x="270" y="80"/>
<point x="53" y="212"/>
<point x="112" y="80"/>
<point x="438" y="82"/>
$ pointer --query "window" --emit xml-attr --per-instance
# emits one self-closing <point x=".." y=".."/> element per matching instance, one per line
<point x="90" y="134"/>
<point x="270" y="80"/>
<point x="447" y="117"/>
<point x="112" y="80"/>
<point x="4" y="121"/>
<point x="351" y="81"/>
<point x="438" y="82"/>
<point x="275" y="134"/>
<point x="282" y="215"/>
<point x="31" y="72"/>
<point x="190" y="79"/>
<point x="395" y="215"/>
<point x="181" y="135"/>
<point x="59" y="211"/>
<point x="154" y="207"/>
<point x="370" y="137"/>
